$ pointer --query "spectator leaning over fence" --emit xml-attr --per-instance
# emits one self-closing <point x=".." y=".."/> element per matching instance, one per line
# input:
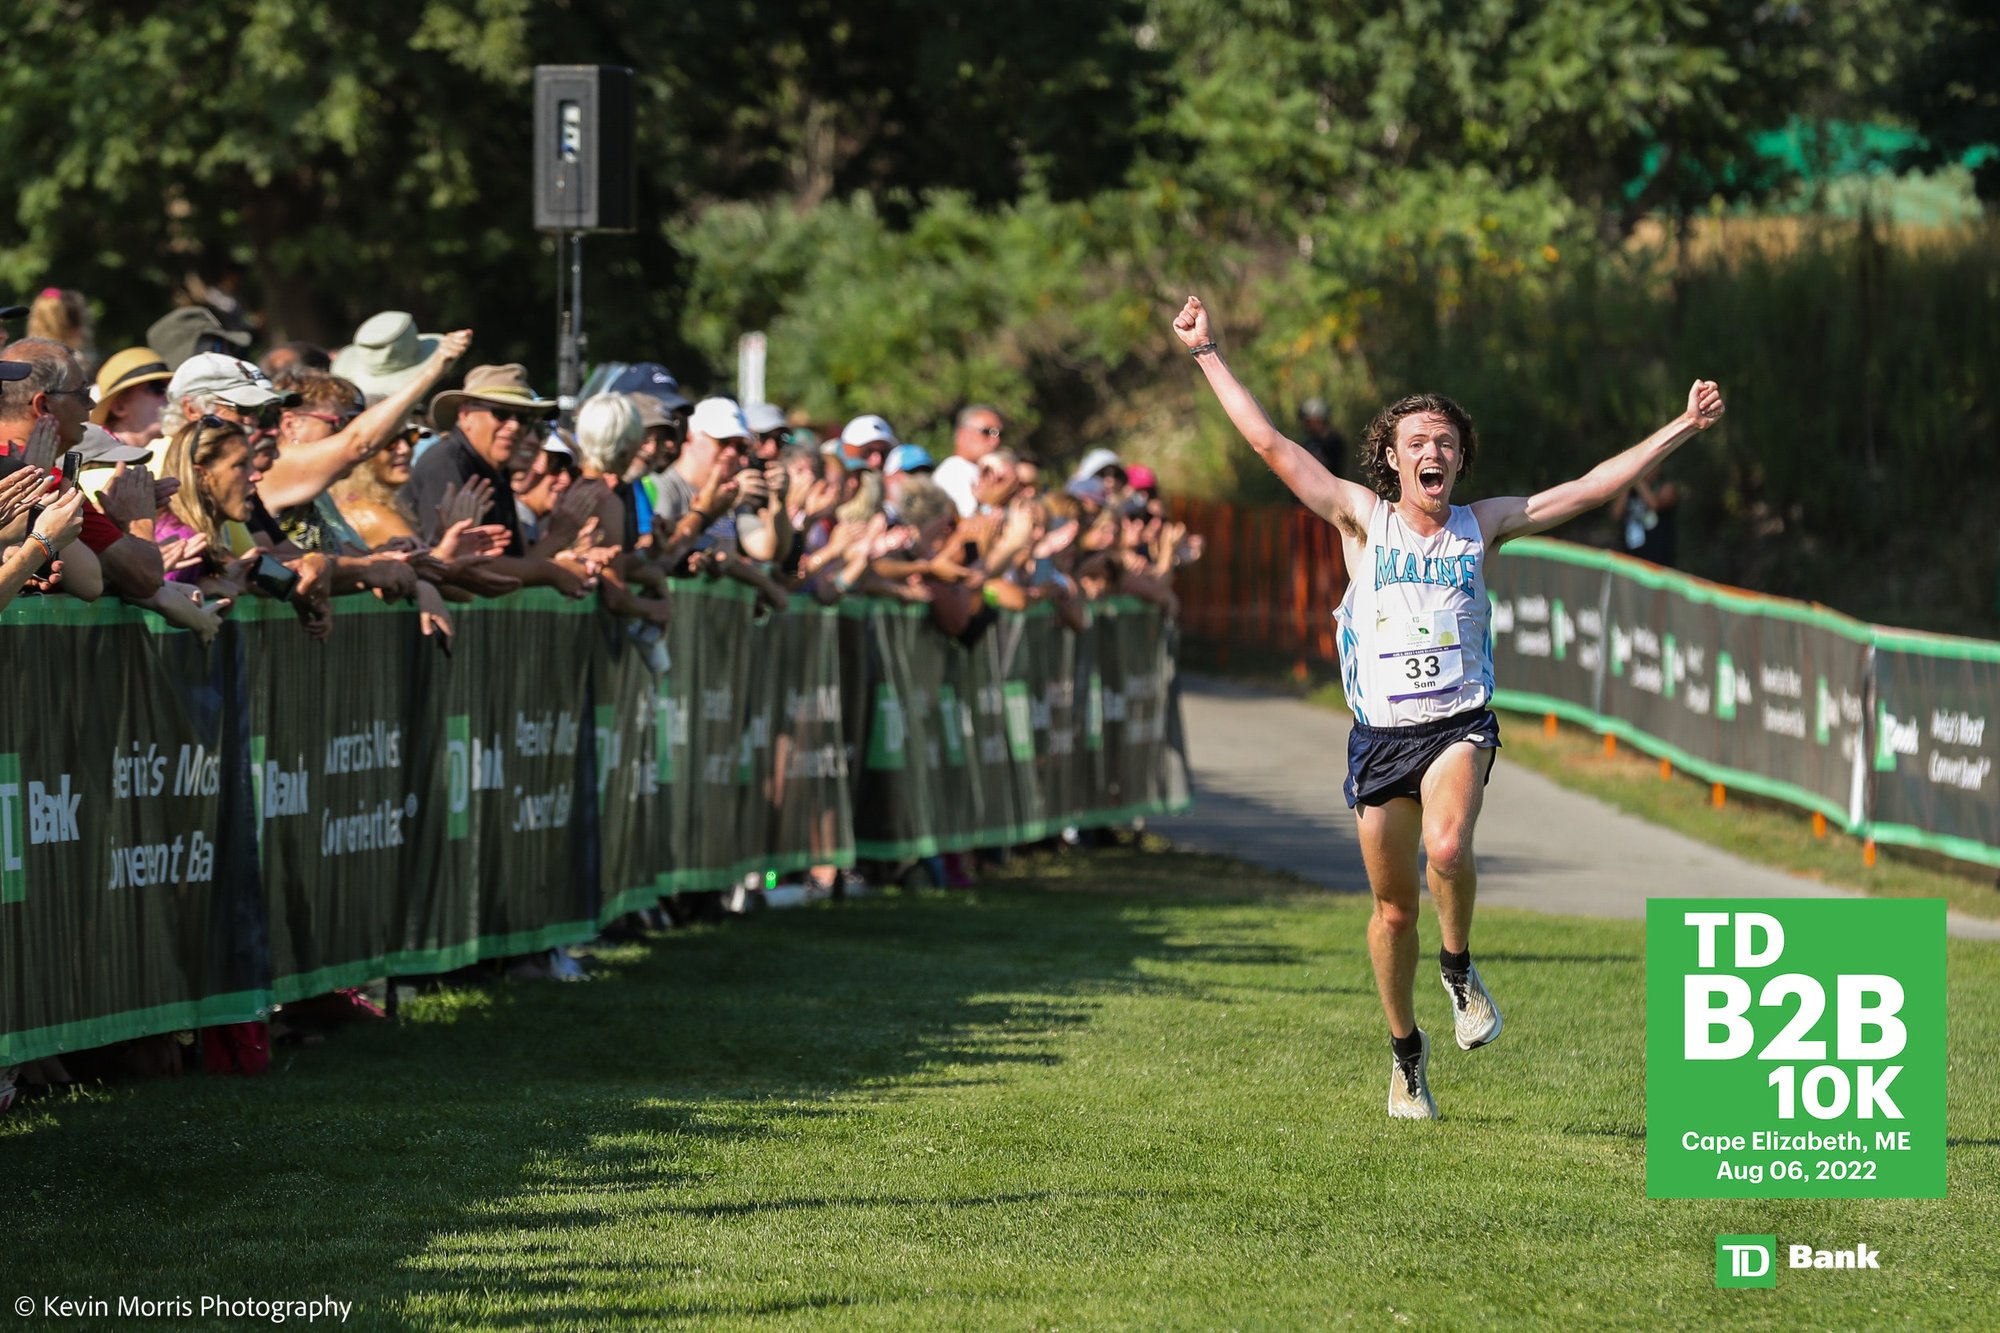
<point x="332" y="429"/>
<point x="32" y="544"/>
<point x="767" y="422"/>
<point x="131" y="394"/>
<point x="1415" y="625"/>
<point x="975" y="433"/>
<point x="50" y="405"/>
<point x="210" y="459"/>
<point x="214" y="384"/>
<point x="868" y="438"/>
<point x="609" y="433"/>
<point x="482" y="426"/>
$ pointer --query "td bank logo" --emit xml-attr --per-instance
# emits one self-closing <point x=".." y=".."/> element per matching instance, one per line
<point x="1752" y="1261"/>
<point x="1746" y="1261"/>
<point x="31" y="814"/>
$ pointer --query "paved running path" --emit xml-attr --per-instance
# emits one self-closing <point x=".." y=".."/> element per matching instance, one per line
<point x="1267" y="775"/>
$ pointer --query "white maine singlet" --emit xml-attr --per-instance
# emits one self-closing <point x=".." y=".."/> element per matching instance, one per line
<point x="1415" y="625"/>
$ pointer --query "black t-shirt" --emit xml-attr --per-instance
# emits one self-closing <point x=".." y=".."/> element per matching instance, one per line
<point x="451" y="462"/>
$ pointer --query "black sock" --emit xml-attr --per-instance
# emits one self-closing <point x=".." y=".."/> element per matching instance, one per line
<point x="1454" y="962"/>
<point x="1407" y="1048"/>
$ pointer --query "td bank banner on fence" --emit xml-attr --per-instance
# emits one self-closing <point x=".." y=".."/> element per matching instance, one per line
<point x="190" y="834"/>
<point x="1884" y="732"/>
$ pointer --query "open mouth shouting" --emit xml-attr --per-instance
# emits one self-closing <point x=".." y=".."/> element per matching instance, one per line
<point x="1431" y="480"/>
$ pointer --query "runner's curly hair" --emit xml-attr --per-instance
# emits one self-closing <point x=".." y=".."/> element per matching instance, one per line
<point x="1377" y="469"/>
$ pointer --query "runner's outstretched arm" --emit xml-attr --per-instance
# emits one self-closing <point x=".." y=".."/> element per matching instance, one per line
<point x="1338" y="502"/>
<point x="1508" y="516"/>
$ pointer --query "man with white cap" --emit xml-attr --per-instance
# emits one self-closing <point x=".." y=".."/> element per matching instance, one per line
<point x="218" y="385"/>
<point x="869" y="439"/>
<point x="709" y="490"/>
<point x="767" y="422"/>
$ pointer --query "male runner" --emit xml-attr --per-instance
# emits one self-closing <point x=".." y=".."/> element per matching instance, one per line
<point x="1417" y="666"/>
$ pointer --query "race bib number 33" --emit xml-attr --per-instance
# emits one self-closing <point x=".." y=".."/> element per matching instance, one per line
<point x="1795" y="1049"/>
<point x="1418" y="655"/>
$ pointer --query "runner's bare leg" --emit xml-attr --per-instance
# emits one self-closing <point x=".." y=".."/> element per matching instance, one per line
<point x="1389" y="836"/>
<point x="1454" y="788"/>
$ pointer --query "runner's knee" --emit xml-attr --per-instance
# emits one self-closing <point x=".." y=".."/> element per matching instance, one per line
<point x="1448" y="850"/>
<point x="1398" y="918"/>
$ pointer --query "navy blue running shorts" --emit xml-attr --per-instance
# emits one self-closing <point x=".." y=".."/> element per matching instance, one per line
<point x="1386" y="762"/>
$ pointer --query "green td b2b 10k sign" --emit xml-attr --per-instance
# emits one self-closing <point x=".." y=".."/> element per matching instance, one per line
<point x="1795" y="1049"/>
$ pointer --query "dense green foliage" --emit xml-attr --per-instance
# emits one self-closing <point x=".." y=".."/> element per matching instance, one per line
<point x="927" y="204"/>
<point x="1053" y="1103"/>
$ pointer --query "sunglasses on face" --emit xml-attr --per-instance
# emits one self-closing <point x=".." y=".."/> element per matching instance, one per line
<point x="337" y="420"/>
<point x="502" y="415"/>
<point x="992" y="432"/>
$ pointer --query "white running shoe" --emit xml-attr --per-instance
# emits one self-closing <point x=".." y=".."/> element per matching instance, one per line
<point x="1473" y="1013"/>
<point x="1409" y="1090"/>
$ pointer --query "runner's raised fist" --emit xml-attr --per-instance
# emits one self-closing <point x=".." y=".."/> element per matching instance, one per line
<point x="1191" y="325"/>
<point x="1704" y="404"/>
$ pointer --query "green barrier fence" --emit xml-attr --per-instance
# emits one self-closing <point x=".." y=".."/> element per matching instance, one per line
<point x="189" y="835"/>
<point x="1881" y="730"/>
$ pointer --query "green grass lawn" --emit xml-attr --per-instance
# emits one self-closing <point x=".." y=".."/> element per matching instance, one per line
<point x="1127" y="1089"/>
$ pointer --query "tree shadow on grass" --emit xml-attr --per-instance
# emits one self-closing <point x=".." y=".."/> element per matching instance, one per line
<point x="477" y="1160"/>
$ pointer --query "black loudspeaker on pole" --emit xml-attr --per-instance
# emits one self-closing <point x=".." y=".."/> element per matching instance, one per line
<point x="585" y="181"/>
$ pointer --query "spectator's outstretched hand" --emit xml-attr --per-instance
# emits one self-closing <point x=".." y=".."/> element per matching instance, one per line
<point x="18" y="492"/>
<point x="432" y="617"/>
<point x="1704" y="407"/>
<point x="61" y="519"/>
<point x="128" y="496"/>
<point x="463" y="541"/>
<point x="450" y="348"/>
<point x="1191" y="325"/>
<point x="44" y="439"/>
<point x="464" y="503"/>
<point x="182" y="604"/>
<point x="183" y="552"/>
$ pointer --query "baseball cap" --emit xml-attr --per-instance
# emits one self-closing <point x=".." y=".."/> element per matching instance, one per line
<point x="652" y="412"/>
<point x="763" y="418"/>
<point x="719" y="419"/>
<point x="1087" y="489"/>
<point x="650" y="377"/>
<point x="1095" y="462"/>
<point x="908" y="458"/>
<point x="234" y="381"/>
<point x="866" y="430"/>
<point x="12" y="311"/>
<point x="1141" y="478"/>
<point x="101" y="446"/>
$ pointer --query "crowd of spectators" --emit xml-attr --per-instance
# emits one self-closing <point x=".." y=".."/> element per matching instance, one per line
<point x="181" y="477"/>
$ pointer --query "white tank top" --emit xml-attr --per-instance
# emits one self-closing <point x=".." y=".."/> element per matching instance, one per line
<point x="1415" y="626"/>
